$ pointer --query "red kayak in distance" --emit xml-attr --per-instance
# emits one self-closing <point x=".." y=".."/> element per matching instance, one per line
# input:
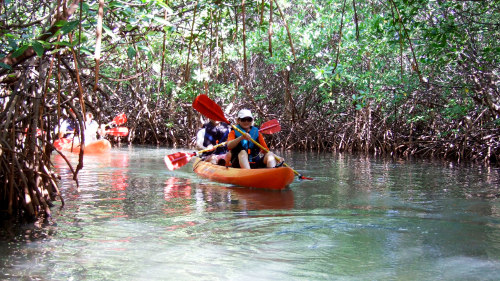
<point x="95" y="147"/>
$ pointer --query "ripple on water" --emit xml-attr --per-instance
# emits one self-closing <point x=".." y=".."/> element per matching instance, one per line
<point x="360" y="219"/>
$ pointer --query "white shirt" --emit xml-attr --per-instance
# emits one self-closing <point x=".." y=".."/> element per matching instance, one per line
<point x="200" y="137"/>
<point x="91" y="131"/>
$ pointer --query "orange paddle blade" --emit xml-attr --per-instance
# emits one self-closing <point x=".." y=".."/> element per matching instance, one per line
<point x="120" y="119"/>
<point x="177" y="160"/>
<point x="60" y="144"/>
<point x="270" y="127"/>
<point x="209" y="108"/>
<point x="118" y="131"/>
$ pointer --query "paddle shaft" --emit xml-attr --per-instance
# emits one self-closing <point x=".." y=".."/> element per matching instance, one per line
<point x="199" y="152"/>
<point x="263" y="130"/>
<point x="210" y="149"/>
<point x="251" y="139"/>
<point x="210" y="109"/>
<point x="224" y="143"/>
<point x="267" y="150"/>
<point x="110" y="123"/>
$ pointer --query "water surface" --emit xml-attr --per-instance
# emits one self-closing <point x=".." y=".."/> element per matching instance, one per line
<point x="360" y="219"/>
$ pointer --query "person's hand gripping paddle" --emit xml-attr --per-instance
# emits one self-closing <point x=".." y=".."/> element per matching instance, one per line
<point x="211" y="110"/>
<point x="179" y="159"/>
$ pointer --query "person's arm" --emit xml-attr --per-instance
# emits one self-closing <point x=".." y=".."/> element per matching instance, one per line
<point x="200" y="137"/>
<point x="232" y="142"/>
<point x="102" y="130"/>
<point x="63" y="129"/>
<point x="263" y="142"/>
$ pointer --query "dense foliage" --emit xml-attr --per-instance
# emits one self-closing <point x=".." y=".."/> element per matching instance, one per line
<point x="396" y="77"/>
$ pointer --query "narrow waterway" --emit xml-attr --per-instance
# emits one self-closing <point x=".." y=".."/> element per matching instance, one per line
<point x="359" y="219"/>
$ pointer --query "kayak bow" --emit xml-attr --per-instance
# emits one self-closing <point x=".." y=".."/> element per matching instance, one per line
<point x="95" y="147"/>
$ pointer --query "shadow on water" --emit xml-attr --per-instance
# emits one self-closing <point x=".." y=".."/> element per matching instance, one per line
<point x="360" y="218"/>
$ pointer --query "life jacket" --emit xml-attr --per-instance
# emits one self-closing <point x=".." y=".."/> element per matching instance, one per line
<point x="210" y="134"/>
<point x="215" y="135"/>
<point x="249" y="145"/>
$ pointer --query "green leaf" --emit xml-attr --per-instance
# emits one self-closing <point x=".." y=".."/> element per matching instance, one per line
<point x="131" y="52"/>
<point x="12" y="43"/>
<point x="60" y="23"/>
<point x="62" y="43"/>
<point x="39" y="49"/>
<point x="85" y="7"/>
<point x="318" y="73"/>
<point x="69" y="26"/>
<point x="115" y="4"/>
<point x="3" y="65"/>
<point x="161" y="21"/>
<point x="20" y="51"/>
<point x="87" y="51"/>
<point x="109" y="32"/>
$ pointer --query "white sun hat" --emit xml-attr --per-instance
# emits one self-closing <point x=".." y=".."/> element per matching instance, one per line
<point x="245" y="113"/>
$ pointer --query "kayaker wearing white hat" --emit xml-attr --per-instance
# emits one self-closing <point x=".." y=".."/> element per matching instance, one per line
<point x="244" y="153"/>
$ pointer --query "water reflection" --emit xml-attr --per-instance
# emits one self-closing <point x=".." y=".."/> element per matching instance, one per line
<point x="177" y="188"/>
<point x="177" y="196"/>
<point x="209" y="197"/>
<point x="361" y="218"/>
<point x="251" y="199"/>
<point x="103" y="178"/>
<point x="119" y="175"/>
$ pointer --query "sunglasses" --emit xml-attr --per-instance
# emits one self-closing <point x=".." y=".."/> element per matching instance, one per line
<point x="246" y="119"/>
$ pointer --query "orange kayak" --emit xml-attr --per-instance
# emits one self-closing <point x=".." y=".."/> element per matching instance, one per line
<point x="267" y="178"/>
<point x="95" y="147"/>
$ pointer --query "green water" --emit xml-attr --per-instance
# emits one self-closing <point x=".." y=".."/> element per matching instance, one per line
<point x="359" y="219"/>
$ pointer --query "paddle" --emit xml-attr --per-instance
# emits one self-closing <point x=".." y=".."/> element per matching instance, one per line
<point x="118" y="131"/>
<point x="61" y="143"/>
<point x="270" y="127"/>
<point x="118" y="120"/>
<point x="179" y="159"/>
<point x="210" y="109"/>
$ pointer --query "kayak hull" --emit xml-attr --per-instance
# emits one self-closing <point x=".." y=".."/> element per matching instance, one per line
<point x="95" y="147"/>
<point x="267" y="178"/>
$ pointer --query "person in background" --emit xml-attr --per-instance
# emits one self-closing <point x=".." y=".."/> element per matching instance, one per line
<point x="244" y="153"/>
<point x="211" y="134"/>
<point x="69" y="127"/>
<point x="92" y="128"/>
